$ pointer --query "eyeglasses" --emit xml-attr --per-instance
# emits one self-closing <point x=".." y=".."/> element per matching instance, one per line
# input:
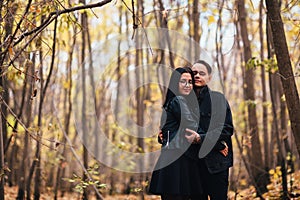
<point x="201" y="73"/>
<point x="185" y="82"/>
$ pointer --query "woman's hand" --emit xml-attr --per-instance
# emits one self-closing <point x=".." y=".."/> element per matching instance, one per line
<point x="192" y="136"/>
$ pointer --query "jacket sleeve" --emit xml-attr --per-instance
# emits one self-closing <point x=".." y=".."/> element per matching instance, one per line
<point x="183" y="114"/>
<point x="221" y="126"/>
<point x="179" y="117"/>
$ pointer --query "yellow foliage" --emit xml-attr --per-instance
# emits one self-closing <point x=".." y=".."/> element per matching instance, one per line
<point x="10" y="50"/>
<point x="274" y="188"/>
<point x="243" y="182"/>
<point x="67" y="84"/>
<point x="271" y="171"/>
<point x="211" y="19"/>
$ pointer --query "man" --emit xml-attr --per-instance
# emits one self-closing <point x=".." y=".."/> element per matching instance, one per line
<point x="215" y="125"/>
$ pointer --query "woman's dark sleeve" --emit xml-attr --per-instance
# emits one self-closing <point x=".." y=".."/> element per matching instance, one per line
<point x="184" y="115"/>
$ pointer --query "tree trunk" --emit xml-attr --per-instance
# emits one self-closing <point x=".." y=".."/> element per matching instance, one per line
<point x="83" y="110"/>
<point x="68" y="109"/>
<point x="8" y="26"/>
<point x="25" y="161"/>
<point x="285" y="68"/>
<point x="196" y="32"/>
<point x="165" y="33"/>
<point x="1" y="159"/>
<point x="37" y="152"/>
<point x="36" y="163"/>
<point x="1" y="125"/>
<point x="260" y="177"/>
<point x="13" y="154"/>
<point x="277" y="105"/>
<point x="222" y="72"/>
<point x="280" y="155"/>
<point x="139" y="95"/>
<point x="128" y="77"/>
<point x="264" y="94"/>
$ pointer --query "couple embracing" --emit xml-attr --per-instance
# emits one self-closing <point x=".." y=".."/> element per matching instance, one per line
<point x="196" y="129"/>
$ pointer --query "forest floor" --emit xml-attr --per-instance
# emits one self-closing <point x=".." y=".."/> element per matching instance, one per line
<point x="274" y="192"/>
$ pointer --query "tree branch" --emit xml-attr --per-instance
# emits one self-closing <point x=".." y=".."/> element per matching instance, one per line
<point x="28" y="131"/>
<point x="10" y="38"/>
<point x="52" y="16"/>
<point x="56" y="14"/>
<point x="100" y="197"/>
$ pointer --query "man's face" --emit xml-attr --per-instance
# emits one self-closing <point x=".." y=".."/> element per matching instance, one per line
<point x="201" y="75"/>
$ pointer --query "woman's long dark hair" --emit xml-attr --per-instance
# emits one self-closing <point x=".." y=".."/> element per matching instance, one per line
<point x="173" y="89"/>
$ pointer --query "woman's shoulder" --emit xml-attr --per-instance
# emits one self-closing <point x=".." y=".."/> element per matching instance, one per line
<point x="178" y="100"/>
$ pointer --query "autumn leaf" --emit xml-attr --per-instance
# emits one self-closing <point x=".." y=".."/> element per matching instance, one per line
<point x="211" y="20"/>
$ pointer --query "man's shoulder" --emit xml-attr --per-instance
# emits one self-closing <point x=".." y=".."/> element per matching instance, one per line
<point x="216" y="94"/>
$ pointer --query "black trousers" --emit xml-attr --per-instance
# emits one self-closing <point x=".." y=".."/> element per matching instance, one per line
<point x="215" y="185"/>
<point x="174" y="197"/>
<point x="180" y="197"/>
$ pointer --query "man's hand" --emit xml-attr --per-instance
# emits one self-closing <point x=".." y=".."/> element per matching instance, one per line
<point x="225" y="150"/>
<point x="160" y="137"/>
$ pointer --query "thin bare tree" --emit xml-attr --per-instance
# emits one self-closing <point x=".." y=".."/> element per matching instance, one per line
<point x="285" y="68"/>
<point x="255" y="158"/>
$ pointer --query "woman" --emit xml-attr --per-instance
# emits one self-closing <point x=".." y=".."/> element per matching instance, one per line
<point x="176" y="175"/>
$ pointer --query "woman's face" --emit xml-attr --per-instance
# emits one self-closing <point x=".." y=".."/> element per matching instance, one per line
<point x="185" y="84"/>
<point x="201" y="75"/>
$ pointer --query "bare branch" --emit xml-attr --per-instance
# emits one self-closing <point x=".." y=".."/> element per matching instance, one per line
<point x="32" y="135"/>
<point x="10" y="40"/>
<point x="74" y="152"/>
<point x="57" y="14"/>
<point x="52" y="16"/>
